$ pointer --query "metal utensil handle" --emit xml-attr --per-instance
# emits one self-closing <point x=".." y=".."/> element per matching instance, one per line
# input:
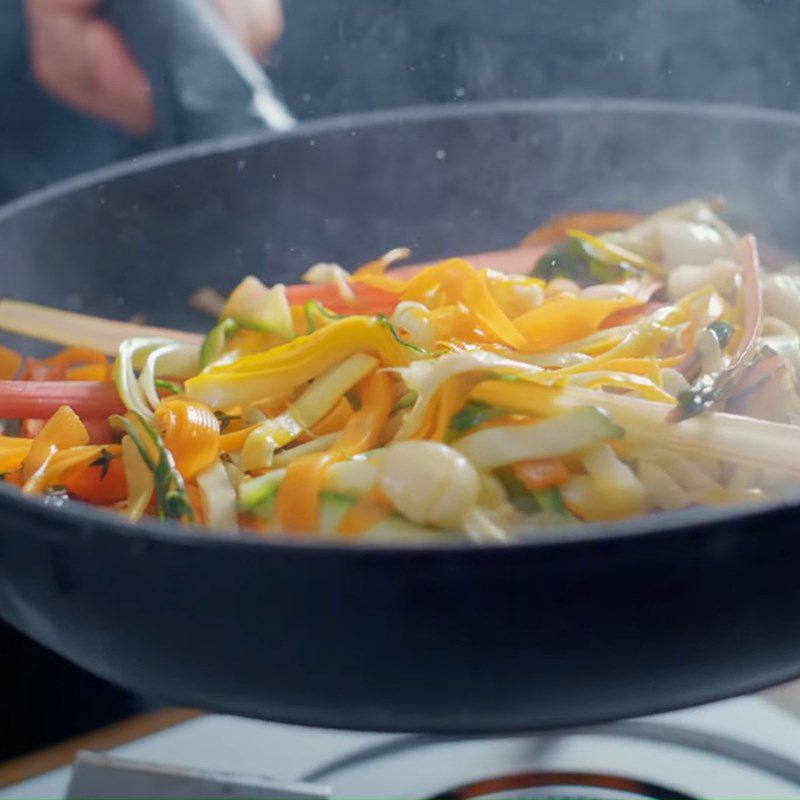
<point x="204" y="83"/>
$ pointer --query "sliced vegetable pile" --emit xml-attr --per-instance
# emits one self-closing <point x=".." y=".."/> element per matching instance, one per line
<point x="644" y="364"/>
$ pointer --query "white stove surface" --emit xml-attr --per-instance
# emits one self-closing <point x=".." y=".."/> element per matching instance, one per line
<point x="741" y="748"/>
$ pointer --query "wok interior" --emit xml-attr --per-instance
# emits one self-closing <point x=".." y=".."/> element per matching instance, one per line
<point x="715" y="606"/>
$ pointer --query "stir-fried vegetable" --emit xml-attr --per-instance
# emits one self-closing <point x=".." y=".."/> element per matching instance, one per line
<point x="712" y="388"/>
<point x="422" y="402"/>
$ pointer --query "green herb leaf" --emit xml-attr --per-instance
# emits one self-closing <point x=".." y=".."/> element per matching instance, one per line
<point x="406" y="401"/>
<point x="384" y="322"/>
<point x="705" y="392"/>
<point x="214" y="343"/>
<point x="723" y="331"/>
<point x="169" y="386"/>
<point x="522" y="499"/>
<point x="225" y="419"/>
<point x="312" y="307"/>
<point x="172" y="499"/>
<point x="308" y="313"/>
<point x="353" y="399"/>
<point x="473" y="413"/>
<point x="103" y="461"/>
<point x="571" y="259"/>
<point x="548" y="501"/>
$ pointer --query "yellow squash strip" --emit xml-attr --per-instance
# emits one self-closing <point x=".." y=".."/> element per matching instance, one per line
<point x="639" y="384"/>
<point x="642" y="341"/>
<point x="520" y="397"/>
<point x="324" y="392"/>
<point x="555" y="228"/>
<point x="636" y="366"/>
<point x="283" y="368"/>
<point x="617" y="254"/>
<point x="316" y="445"/>
<point x="316" y="401"/>
<point x="566" y="319"/>
<point x="266" y="438"/>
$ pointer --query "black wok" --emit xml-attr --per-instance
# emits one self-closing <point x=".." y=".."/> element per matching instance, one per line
<point x="607" y="621"/>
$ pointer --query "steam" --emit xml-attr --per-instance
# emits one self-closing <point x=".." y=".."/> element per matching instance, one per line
<point x="346" y="55"/>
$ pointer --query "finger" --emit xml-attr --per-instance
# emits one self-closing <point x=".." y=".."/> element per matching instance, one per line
<point x="83" y="62"/>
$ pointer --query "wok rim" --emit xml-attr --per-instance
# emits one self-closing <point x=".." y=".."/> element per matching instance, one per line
<point x="409" y="114"/>
<point x="683" y="522"/>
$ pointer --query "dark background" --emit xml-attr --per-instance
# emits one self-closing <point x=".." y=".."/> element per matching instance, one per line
<point x="349" y="55"/>
<point x="352" y="55"/>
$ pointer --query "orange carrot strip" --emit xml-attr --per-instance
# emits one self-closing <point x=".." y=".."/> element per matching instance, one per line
<point x="13" y="451"/>
<point x="361" y="516"/>
<point x="566" y="319"/>
<point x="448" y="401"/>
<point x="99" y="485"/>
<point x="540" y="473"/>
<point x="55" y="367"/>
<point x="371" y="298"/>
<point x="61" y="465"/>
<point x="191" y="434"/>
<point x="514" y="261"/>
<point x="335" y="420"/>
<point x="626" y="316"/>
<point x="63" y="430"/>
<point x="364" y="428"/>
<point x="592" y="221"/>
<point x="234" y="441"/>
<point x="88" y="372"/>
<point x="10" y="362"/>
<point x="297" y="503"/>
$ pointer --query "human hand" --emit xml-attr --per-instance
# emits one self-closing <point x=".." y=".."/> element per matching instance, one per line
<point x="81" y="59"/>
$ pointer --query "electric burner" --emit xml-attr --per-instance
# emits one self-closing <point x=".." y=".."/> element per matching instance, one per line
<point x="744" y="748"/>
<point x="641" y="759"/>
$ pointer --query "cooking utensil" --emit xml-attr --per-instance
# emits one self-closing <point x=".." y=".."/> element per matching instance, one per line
<point x="204" y="82"/>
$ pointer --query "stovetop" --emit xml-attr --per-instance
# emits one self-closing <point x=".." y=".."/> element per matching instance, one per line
<point x="741" y="748"/>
